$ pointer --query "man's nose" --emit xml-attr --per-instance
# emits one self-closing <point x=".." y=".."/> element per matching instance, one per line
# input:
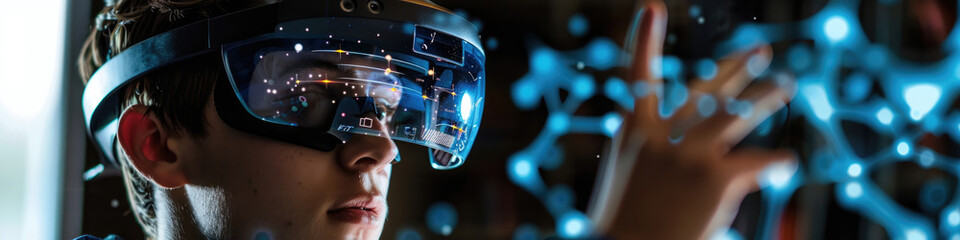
<point x="363" y="153"/>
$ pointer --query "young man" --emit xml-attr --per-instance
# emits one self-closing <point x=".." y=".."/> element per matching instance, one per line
<point x="240" y="120"/>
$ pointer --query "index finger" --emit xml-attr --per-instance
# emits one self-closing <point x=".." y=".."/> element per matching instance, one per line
<point x="647" y="46"/>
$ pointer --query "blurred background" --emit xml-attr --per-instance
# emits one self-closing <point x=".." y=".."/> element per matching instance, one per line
<point x="874" y="122"/>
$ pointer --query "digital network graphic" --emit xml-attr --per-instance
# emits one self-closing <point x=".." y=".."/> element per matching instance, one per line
<point x="836" y="68"/>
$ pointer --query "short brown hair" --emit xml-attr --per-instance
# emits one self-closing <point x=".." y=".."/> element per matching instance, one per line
<point x="177" y="94"/>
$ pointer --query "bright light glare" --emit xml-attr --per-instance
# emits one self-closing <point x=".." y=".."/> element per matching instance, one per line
<point x="31" y="119"/>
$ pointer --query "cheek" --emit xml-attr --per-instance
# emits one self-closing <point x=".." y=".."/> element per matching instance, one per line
<point x="266" y="182"/>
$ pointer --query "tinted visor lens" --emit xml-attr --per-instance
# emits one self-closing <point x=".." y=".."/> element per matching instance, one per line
<point x="347" y="87"/>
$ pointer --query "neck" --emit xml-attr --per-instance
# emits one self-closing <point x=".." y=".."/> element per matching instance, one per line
<point x="175" y="215"/>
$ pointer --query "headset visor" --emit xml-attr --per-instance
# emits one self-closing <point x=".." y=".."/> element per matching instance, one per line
<point x="428" y="97"/>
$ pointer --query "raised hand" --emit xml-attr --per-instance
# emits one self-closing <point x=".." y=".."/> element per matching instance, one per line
<point x="677" y="176"/>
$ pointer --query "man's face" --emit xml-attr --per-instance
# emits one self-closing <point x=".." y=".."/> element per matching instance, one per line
<point x="249" y="186"/>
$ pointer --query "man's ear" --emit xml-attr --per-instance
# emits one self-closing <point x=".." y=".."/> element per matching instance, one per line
<point x="145" y="143"/>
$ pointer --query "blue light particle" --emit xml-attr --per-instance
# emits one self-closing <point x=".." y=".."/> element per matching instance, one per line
<point x="558" y="122"/>
<point x="578" y="25"/>
<point x="916" y="234"/>
<point x="611" y="123"/>
<point x="694" y="10"/>
<point x="441" y="218"/>
<point x="836" y="28"/>
<point x="559" y="198"/>
<point x="707" y="105"/>
<point x="544" y="61"/>
<point x="777" y="175"/>
<point x="921" y="98"/>
<point x="816" y="97"/>
<point x="525" y="94"/>
<point x="885" y="116"/>
<point x="573" y="224"/>
<point x="903" y="148"/>
<point x="706" y="69"/>
<point x="493" y="43"/>
<point x="926" y="158"/>
<point x="853" y="190"/>
<point x="953" y="218"/>
<point x="855" y="170"/>
<point x="857" y="87"/>
<point x="583" y="86"/>
<point x="603" y="54"/>
<point x="671" y="67"/>
<point x="757" y="64"/>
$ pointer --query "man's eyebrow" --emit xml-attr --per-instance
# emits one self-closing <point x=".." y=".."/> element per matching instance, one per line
<point x="307" y="63"/>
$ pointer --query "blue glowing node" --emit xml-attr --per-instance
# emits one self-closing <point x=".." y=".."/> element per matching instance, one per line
<point x="611" y="122"/>
<point x="522" y="167"/>
<point x="921" y="98"/>
<point x="885" y="116"/>
<point x="442" y="218"/>
<point x="836" y="28"/>
<point x="706" y="69"/>
<point x="916" y="234"/>
<point x="671" y="67"/>
<point x="544" y="61"/>
<point x="578" y="25"/>
<point x="778" y="175"/>
<point x="573" y="224"/>
<point x="492" y="43"/>
<point x="678" y="95"/>
<point x="559" y="198"/>
<point x="558" y="122"/>
<point x="926" y="158"/>
<point x="641" y="89"/>
<point x="854" y="170"/>
<point x="603" y="53"/>
<point x="953" y="218"/>
<point x="757" y="64"/>
<point x="583" y="86"/>
<point x="903" y="148"/>
<point x="853" y="190"/>
<point x="525" y="94"/>
<point x="706" y="106"/>
<point x="817" y="99"/>
<point x="857" y="87"/>
<point x="694" y="10"/>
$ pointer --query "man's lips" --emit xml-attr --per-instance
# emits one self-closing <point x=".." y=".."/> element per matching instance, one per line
<point x="363" y="210"/>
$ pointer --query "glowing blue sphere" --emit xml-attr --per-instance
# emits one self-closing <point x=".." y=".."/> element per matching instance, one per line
<point x="854" y="170"/>
<point x="578" y="25"/>
<point x="583" y="86"/>
<point x="706" y="69"/>
<point x="885" y="116"/>
<point x="706" y="106"/>
<point x="853" y="190"/>
<point x="441" y="218"/>
<point x="836" y="28"/>
<point x="573" y="224"/>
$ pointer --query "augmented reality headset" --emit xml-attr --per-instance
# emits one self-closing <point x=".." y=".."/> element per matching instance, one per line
<point x="316" y="73"/>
